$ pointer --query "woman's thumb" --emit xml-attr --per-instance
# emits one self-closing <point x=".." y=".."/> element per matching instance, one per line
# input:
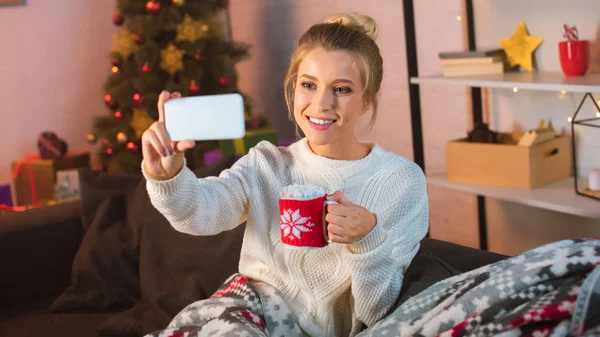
<point x="185" y="145"/>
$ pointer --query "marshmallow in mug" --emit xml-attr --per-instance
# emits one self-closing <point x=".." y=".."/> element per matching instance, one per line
<point x="302" y="191"/>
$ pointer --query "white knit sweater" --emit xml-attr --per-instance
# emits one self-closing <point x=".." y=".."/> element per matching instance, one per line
<point x="330" y="290"/>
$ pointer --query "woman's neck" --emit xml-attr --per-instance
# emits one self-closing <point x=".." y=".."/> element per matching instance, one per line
<point x="352" y="150"/>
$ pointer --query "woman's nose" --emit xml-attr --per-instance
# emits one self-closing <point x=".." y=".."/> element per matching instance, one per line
<point x="324" y="100"/>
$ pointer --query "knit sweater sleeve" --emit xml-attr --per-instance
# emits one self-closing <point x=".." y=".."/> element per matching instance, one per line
<point x="377" y="262"/>
<point x="204" y="206"/>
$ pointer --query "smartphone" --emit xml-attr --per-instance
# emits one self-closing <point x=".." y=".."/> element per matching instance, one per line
<point x="207" y="117"/>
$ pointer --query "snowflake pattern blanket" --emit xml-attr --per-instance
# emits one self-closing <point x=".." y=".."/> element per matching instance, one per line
<point x="553" y="290"/>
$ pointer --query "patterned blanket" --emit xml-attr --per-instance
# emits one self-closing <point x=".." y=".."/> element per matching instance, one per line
<point x="553" y="290"/>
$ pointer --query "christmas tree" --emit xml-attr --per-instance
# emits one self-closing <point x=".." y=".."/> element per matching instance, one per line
<point x="174" y="45"/>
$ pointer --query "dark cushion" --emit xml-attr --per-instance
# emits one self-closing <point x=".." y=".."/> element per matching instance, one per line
<point x="37" y="248"/>
<point x="176" y="269"/>
<point x="34" y="319"/>
<point x="105" y="268"/>
<point x="424" y="271"/>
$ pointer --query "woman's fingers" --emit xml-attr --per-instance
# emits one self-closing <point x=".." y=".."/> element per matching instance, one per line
<point x="161" y="132"/>
<point x="153" y="139"/>
<point x="162" y="99"/>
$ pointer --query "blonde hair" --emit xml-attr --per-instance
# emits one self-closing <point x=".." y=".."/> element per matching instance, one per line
<point x="352" y="33"/>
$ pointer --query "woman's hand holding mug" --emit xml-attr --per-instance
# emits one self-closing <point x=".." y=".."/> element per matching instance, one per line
<point x="163" y="159"/>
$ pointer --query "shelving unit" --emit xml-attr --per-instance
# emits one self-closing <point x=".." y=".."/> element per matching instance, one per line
<point x="559" y="196"/>
<point x="540" y="81"/>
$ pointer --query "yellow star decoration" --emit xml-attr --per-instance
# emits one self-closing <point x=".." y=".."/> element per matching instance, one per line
<point x="520" y="47"/>
<point x="124" y="43"/>
<point x="141" y="121"/>
<point x="172" y="59"/>
<point x="191" y="30"/>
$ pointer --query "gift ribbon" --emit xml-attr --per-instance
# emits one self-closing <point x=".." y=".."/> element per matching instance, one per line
<point x="17" y="170"/>
<point x="49" y="145"/>
<point x="5" y="207"/>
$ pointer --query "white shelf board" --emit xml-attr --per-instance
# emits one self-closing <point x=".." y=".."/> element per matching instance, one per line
<point x="559" y="196"/>
<point x="545" y="81"/>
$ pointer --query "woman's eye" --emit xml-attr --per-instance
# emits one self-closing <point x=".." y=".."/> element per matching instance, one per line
<point x="307" y="85"/>
<point x="343" y="90"/>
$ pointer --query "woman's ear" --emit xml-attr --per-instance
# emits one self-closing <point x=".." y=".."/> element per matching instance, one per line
<point x="366" y="107"/>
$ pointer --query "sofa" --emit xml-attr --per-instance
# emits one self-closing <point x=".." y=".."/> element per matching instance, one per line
<point x="110" y="265"/>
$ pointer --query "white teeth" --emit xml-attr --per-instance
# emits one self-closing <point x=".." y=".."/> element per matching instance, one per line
<point x="321" y="121"/>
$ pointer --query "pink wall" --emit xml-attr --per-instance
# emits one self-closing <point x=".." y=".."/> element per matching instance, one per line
<point x="53" y="65"/>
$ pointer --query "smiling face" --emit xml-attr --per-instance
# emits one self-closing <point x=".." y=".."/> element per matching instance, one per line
<point x="328" y="99"/>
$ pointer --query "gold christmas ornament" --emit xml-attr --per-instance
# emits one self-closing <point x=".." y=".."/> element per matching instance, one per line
<point x="191" y="30"/>
<point x="92" y="138"/>
<point x="121" y="137"/>
<point x="520" y="47"/>
<point x="141" y="121"/>
<point x="179" y="2"/>
<point x="123" y="43"/>
<point x="171" y="59"/>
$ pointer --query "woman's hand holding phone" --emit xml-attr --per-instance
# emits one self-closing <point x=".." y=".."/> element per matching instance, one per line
<point x="163" y="158"/>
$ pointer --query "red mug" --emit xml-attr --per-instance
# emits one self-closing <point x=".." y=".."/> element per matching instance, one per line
<point x="574" y="57"/>
<point x="302" y="222"/>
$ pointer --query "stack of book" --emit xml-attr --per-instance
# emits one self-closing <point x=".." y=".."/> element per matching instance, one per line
<point x="464" y="63"/>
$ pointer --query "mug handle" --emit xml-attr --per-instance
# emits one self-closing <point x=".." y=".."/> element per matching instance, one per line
<point x="325" y="223"/>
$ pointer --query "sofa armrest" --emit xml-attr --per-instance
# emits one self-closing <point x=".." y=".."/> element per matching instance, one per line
<point x="461" y="258"/>
<point x="37" y="248"/>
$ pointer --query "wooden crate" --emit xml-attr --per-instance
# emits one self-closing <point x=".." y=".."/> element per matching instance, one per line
<point x="509" y="165"/>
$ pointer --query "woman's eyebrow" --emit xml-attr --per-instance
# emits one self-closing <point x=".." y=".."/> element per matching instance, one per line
<point x="342" y="80"/>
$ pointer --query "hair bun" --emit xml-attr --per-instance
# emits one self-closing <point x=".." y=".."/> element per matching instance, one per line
<point x="364" y="23"/>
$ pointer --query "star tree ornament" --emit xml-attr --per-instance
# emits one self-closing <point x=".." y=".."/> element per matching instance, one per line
<point x="519" y="48"/>
<point x="171" y="59"/>
<point x="191" y="30"/>
<point x="123" y="43"/>
<point x="140" y="122"/>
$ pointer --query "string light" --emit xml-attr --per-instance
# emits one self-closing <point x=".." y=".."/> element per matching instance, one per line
<point x="570" y="119"/>
<point x="458" y="17"/>
<point x="115" y="69"/>
<point x="598" y="114"/>
<point x="515" y="89"/>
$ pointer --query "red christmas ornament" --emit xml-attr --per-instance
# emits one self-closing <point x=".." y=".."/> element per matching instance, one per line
<point x="118" y="18"/>
<point x="108" y="100"/>
<point x="138" y="39"/>
<point x="199" y="57"/>
<point x="132" y="147"/>
<point x="118" y="114"/>
<point x="100" y="168"/>
<point x="109" y="151"/>
<point x="115" y="61"/>
<point x="105" y="141"/>
<point x="146" y="68"/>
<point x="225" y="81"/>
<point x="137" y="99"/>
<point x="152" y="7"/>
<point x="194" y="87"/>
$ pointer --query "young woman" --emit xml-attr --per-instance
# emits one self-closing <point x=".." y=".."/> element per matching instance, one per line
<point x="334" y="78"/>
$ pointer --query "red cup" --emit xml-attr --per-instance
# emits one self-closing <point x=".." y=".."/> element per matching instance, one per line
<point x="574" y="57"/>
<point x="302" y="222"/>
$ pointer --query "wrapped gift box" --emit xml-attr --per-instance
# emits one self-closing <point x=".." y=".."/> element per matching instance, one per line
<point x="215" y="155"/>
<point x="241" y="146"/>
<point x="5" y="195"/>
<point x="35" y="179"/>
